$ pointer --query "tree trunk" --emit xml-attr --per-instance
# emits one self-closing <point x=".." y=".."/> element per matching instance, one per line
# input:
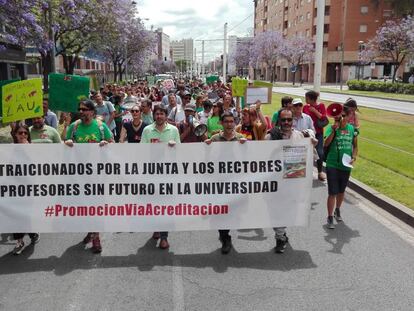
<point x="294" y="77"/>
<point x="120" y="71"/>
<point x="65" y="63"/>
<point x="45" y="63"/>
<point x="72" y="63"/>
<point x="115" y="71"/>
<point x="396" y="66"/>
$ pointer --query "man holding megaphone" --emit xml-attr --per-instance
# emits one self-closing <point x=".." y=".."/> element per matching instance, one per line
<point x="191" y="130"/>
<point x="341" y="148"/>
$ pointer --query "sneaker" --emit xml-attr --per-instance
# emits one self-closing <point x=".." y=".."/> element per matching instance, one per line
<point x="18" y="248"/>
<point x="322" y="176"/>
<point x="330" y="222"/>
<point x="337" y="215"/>
<point x="96" y="246"/>
<point x="281" y="244"/>
<point x="164" y="244"/>
<point x="88" y="238"/>
<point x="226" y="245"/>
<point x="35" y="238"/>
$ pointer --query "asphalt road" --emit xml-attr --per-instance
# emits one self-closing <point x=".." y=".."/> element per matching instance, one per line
<point x="384" y="104"/>
<point x="366" y="263"/>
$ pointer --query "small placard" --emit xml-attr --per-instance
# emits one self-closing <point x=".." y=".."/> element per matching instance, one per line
<point x="253" y="94"/>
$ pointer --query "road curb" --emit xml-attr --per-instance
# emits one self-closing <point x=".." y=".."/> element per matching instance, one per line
<point x="396" y="209"/>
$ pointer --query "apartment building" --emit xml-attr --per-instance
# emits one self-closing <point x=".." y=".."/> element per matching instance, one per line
<point x="183" y="50"/>
<point x="348" y="24"/>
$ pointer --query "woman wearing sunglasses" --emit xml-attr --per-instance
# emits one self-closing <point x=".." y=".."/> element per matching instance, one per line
<point x="21" y="135"/>
<point x="341" y="139"/>
<point x="132" y="131"/>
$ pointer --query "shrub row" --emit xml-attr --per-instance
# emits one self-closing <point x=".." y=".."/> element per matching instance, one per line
<point x="387" y="87"/>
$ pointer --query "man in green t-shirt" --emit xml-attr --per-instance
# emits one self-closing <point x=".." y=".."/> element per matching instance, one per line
<point x="286" y="103"/>
<point x="228" y="134"/>
<point x="341" y="137"/>
<point x="161" y="132"/>
<point x="41" y="133"/>
<point x="89" y="130"/>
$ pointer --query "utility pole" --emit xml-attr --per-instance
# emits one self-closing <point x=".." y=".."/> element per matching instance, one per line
<point x="225" y="54"/>
<point x="320" y="18"/>
<point x="202" y="59"/>
<point x="341" y="79"/>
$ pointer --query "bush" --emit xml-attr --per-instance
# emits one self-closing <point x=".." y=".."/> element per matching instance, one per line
<point x="387" y="87"/>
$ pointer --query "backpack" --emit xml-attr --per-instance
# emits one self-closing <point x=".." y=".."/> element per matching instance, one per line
<point x="76" y="124"/>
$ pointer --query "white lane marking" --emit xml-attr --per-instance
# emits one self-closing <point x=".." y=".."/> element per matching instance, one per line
<point x="178" y="287"/>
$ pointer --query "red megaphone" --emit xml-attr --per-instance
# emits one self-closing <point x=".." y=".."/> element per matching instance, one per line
<point x="334" y="110"/>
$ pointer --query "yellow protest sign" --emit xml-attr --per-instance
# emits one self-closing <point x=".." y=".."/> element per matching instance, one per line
<point x="238" y="86"/>
<point x="22" y="100"/>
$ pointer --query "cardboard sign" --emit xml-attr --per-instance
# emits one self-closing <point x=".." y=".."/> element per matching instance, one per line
<point x="65" y="91"/>
<point x="22" y="100"/>
<point x="4" y="82"/>
<point x="211" y="79"/>
<point x="238" y="87"/>
<point x="253" y="94"/>
<point x="168" y="84"/>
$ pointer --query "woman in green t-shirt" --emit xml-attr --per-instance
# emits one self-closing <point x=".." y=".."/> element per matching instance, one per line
<point x="213" y="123"/>
<point x="341" y="139"/>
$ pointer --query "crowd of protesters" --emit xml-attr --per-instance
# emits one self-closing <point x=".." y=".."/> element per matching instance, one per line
<point x="192" y="111"/>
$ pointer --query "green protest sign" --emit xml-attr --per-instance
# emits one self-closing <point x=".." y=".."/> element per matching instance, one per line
<point x="65" y="91"/>
<point x="238" y="86"/>
<point x="211" y="79"/>
<point x="262" y="84"/>
<point x="22" y="100"/>
<point x="4" y="82"/>
<point x="151" y="80"/>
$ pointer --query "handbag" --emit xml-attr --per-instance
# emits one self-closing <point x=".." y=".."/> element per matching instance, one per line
<point x="321" y="123"/>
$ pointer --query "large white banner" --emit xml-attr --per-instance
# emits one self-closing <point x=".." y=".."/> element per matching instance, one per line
<point x="154" y="187"/>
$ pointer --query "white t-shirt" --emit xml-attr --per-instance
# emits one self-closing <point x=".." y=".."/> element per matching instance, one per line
<point x="177" y="114"/>
<point x="105" y="110"/>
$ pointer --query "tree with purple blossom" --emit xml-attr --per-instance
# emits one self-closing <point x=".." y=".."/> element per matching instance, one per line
<point x="21" y="24"/>
<point x="265" y="50"/>
<point x="394" y="41"/>
<point x="242" y="54"/>
<point x="297" y="50"/>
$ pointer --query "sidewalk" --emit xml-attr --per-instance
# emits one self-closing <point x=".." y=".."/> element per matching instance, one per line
<point x="400" y="106"/>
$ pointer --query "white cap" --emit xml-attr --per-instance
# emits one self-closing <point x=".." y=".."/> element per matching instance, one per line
<point x="297" y="101"/>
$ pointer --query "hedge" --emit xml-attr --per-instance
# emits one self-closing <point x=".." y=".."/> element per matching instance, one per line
<point x="387" y="87"/>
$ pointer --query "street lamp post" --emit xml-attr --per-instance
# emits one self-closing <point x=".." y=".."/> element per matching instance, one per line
<point x="360" y="47"/>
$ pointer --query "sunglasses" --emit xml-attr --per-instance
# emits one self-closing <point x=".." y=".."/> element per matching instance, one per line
<point x="286" y="119"/>
<point x="22" y="133"/>
<point x="83" y="109"/>
<point x="135" y="111"/>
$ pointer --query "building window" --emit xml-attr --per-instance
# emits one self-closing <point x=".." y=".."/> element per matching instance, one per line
<point x="363" y="28"/>
<point x="364" y="9"/>
<point x="307" y="33"/>
<point x="387" y="13"/>
<point x="326" y="28"/>
<point x="308" y="15"/>
<point x="327" y="10"/>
